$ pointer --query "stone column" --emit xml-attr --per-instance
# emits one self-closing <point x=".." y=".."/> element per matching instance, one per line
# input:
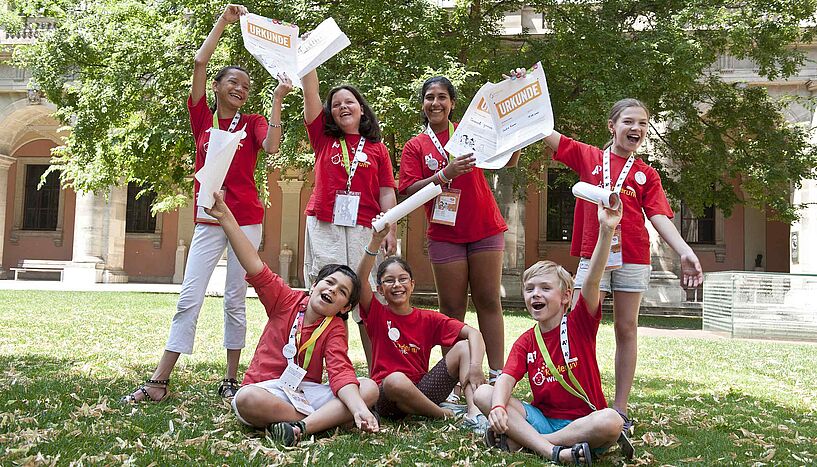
<point x="290" y="222"/>
<point x="99" y="238"/>
<point x="802" y="247"/>
<point x="5" y="163"/>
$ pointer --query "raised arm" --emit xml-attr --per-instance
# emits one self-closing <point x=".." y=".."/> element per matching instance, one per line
<point x="364" y="268"/>
<point x="692" y="273"/>
<point x="273" y="139"/>
<point x="312" y="99"/>
<point x="230" y="15"/>
<point x="552" y="140"/>
<point x="608" y="220"/>
<point x="387" y="201"/>
<point x="243" y="248"/>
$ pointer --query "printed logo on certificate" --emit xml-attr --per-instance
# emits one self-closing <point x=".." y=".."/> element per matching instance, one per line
<point x="298" y="400"/>
<point x="615" y="261"/>
<point x="446" y="206"/>
<point x="346" y="206"/>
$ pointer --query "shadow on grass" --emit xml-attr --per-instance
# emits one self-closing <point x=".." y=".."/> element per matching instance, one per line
<point x="51" y="408"/>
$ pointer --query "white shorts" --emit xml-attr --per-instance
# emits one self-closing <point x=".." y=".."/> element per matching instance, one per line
<point x="628" y="278"/>
<point x="317" y="394"/>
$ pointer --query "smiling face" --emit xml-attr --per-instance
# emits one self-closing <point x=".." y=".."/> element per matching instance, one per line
<point x="346" y="111"/>
<point x="330" y="295"/>
<point x="629" y="130"/>
<point x="545" y="299"/>
<point x="396" y="285"/>
<point x="232" y="89"/>
<point x="437" y="104"/>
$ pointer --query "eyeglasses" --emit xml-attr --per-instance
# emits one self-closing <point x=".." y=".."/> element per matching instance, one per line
<point x="390" y="282"/>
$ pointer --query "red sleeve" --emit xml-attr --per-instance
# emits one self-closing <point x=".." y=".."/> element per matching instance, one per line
<point x="655" y="200"/>
<point x="336" y="355"/>
<point x="588" y="324"/>
<point x="200" y="116"/>
<point x="517" y="363"/>
<point x="411" y="168"/>
<point x="273" y="293"/>
<point x="259" y="130"/>
<point x="314" y="131"/>
<point x="570" y="153"/>
<point x="385" y="171"/>
<point x="447" y="329"/>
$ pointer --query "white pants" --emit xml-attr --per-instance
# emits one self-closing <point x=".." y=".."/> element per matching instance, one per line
<point x="317" y="394"/>
<point x="206" y="249"/>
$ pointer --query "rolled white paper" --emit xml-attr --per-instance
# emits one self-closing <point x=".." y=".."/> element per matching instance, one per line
<point x="594" y="194"/>
<point x="221" y="149"/>
<point x="427" y="193"/>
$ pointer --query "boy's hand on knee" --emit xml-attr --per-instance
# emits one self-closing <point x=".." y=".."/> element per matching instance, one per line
<point x="366" y="421"/>
<point x="498" y="418"/>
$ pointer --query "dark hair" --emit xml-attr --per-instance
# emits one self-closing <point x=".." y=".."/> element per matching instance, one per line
<point x="388" y="262"/>
<point x="621" y="106"/>
<point x="443" y="81"/>
<point x="369" y="125"/>
<point x="218" y="78"/>
<point x="354" y="294"/>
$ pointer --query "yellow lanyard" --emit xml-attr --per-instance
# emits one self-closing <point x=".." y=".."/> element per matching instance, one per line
<point x="309" y="345"/>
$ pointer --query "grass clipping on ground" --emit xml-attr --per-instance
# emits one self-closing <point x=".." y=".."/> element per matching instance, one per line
<point x="66" y="358"/>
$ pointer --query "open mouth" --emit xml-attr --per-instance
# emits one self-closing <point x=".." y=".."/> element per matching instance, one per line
<point x="633" y="138"/>
<point x="326" y="298"/>
<point x="538" y="306"/>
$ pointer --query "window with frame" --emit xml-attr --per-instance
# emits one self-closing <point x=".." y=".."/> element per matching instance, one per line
<point x="698" y="229"/>
<point x="138" y="218"/>
<point x="42" y="203"/>
<point x="560" y="203"/>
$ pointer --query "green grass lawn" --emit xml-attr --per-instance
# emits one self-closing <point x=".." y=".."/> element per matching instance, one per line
<point x="66" y="358"/>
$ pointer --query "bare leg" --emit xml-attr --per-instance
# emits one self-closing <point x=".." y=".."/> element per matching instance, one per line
<point x="625" y="312"/>
<point x="485" y="276"/>
<point x="233" y="356"/>
<point x="457" y="361"/>
<point x="398" y="387"/>
<point x="451" y="281"/>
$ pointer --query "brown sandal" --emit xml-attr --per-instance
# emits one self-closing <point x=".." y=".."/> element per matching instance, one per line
<point x="151" y="383"/>
<point x="229" y="387"/>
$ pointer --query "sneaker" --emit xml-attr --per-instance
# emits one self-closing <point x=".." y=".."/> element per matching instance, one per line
<point x="479" y="424"/>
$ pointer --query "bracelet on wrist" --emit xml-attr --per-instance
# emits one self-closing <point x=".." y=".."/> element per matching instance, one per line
<point x="370" y="253"/>
<point x="275" y="125"/>
<point x="498" y="406"/>
<point x="442" y="177"/>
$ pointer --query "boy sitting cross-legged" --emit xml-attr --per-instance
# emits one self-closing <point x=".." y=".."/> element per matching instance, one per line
<point x="568" y="416"/>
<point x="282" y="386"/>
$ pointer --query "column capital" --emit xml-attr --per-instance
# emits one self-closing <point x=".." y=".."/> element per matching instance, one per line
<point x="291" y="186"/>
<point x="6" y="161"/>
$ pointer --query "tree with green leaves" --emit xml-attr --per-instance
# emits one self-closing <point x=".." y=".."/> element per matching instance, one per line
<point x="118" y="71"/>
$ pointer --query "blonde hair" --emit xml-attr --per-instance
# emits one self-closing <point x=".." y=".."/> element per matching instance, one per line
<point x="621" y="106"/>
<point x="542" y="268"/>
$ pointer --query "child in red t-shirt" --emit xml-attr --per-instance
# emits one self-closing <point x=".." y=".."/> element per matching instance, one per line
<point x="559" y="356"/>
<point x="402" y="339"/>
<point x="301" y="333"/>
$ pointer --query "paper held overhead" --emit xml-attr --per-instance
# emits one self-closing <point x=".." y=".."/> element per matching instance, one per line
<point x="594" y="194"/>
<point x="277" y="46"/>
<point x="426" y="194"/>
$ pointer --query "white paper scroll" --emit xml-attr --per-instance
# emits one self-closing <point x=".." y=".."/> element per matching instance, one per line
<point x="220" y="151"/>
<point x="277" y="46"/>
<point x="594" y="194"/>
<point x="426" y="194"/>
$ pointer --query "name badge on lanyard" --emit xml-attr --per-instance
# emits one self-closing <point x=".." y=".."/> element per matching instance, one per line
<point x="448" y="202"/>
<point x="347" y="203"/>
<point x="615" y="260"/>
<point x="202" y="216"/>
<point x="294" y="374"/>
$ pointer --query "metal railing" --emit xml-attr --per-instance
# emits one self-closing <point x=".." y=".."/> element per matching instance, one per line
<point x="761" y="305"/>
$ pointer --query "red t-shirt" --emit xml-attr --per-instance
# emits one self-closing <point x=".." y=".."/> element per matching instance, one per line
<point x="330" y="174"/>
<point x="649" y="196"/>
<point x="548" y="395"/>
<point x="282" y="305"/>
<point x="418" y="332"/>
<point x="241" y="194"/>
<point x="478" y="216"/>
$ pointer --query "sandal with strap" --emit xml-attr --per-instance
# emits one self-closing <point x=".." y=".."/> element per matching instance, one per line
<point x="627" y="448"/>
<point x="493" y="375"/>
<point x="492" y="440"/>
<point x="284" y="432"/>
<point x="151" y="383"/>
<point x="577" y="452"/>
<point x="229" y="387"/>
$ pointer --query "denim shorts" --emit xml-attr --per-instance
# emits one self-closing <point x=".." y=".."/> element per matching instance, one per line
<point x="546" y="425"/>
<point x="629" y="277"/>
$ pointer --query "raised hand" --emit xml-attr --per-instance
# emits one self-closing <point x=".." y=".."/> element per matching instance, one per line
<point x="232" y="12"/>
<point x="284" y="86"/>
<point x="461" y="165"/>
<point x="609" y="217"/>
<point x="219" y="210"/>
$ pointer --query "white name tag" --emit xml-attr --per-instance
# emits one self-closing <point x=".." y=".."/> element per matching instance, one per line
<point x="292" y="376"/>
<point x="346" y="207"/>
<point x="615" y="261"/>
<point x="446" y="206"/>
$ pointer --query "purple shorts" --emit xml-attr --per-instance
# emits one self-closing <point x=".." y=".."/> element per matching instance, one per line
<point x="447" y="252"/>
